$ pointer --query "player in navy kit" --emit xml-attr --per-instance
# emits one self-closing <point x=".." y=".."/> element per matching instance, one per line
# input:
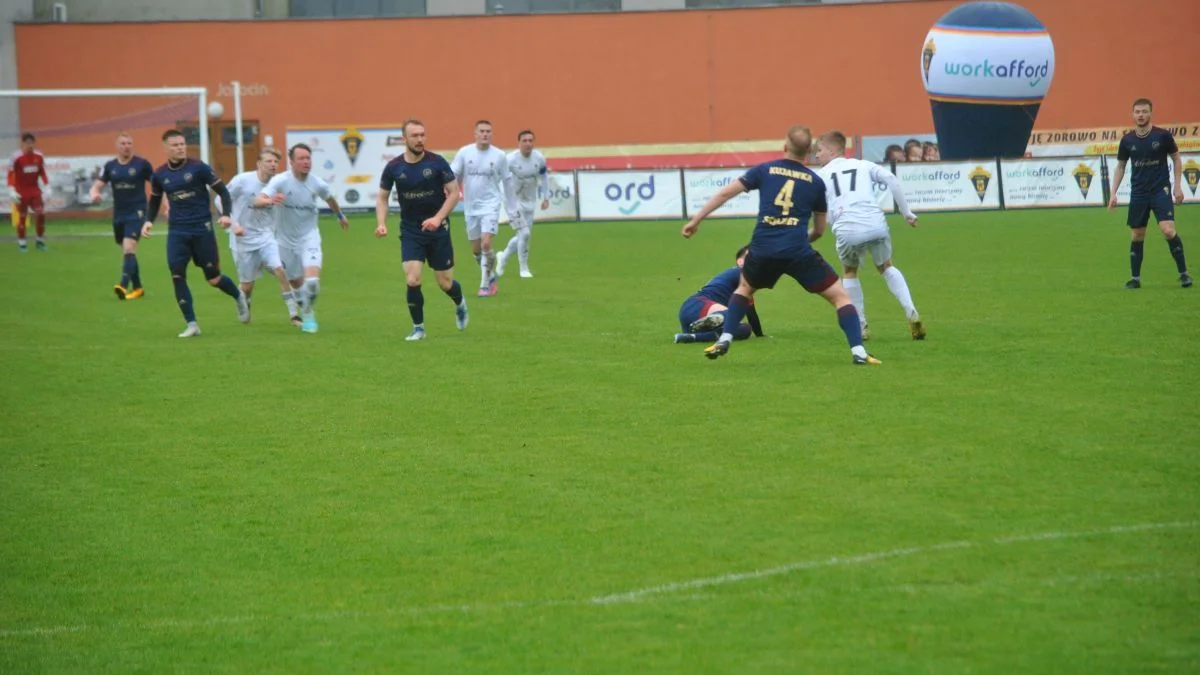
<point x="128" y="175"/>
<point x="185" y="183"/>
<point x="789" y="194"/>
<point x="427" y="191"/>
<point x="703" y="313"/>
<point x="1149" y="147"/>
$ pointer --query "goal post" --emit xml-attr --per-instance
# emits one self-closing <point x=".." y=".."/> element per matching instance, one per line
<point x="76" y="130"/>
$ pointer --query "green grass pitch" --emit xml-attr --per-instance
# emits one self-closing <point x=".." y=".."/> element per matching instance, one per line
<point x="560" y="489"/>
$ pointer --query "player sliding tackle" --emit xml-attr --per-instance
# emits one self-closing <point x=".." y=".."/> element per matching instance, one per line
<point x="789" y="194"/>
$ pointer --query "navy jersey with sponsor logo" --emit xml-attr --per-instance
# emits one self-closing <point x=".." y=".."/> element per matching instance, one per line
<point x="720" y="288"/>
<point x="1147" y="157"/>
<point x="789" y="193"/>
<point x="420" y="187"/>
<point x="185" y="186"/>
<point x="128" y="182"/>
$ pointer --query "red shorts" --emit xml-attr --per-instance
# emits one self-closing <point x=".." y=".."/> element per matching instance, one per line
<point x="31" y="201"/>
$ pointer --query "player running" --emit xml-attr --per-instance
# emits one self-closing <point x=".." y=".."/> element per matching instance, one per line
<point x="483" y="171"/>
<point x="185" y="183"/>
<point x="295" y="192"/>
<point x="528" y="169"/>
<point x="859" y="226"/>
<point x="128" y="175"/>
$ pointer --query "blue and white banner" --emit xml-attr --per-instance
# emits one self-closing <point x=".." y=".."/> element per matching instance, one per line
<point x="949" y="186"/>
<point x="1031" y="183"/>
<point x="630" y="195"/>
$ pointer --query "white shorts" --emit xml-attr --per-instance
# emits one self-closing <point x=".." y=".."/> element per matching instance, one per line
<point x="250" y="263"/>
<point x="853" y="255"/>
<point x="477" y="226"/>
<point x="306" y="254"/>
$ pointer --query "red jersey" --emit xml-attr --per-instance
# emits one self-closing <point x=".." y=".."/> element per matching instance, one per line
<point x="24" y="170"/>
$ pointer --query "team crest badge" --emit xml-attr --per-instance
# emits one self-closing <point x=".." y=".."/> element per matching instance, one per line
<point x="980" y="179"/>
<point x="132" y="171"/>
<point x="1083" y="178"/>
<point x="927" y="57"/>
<point x="187" y="177"/>
<point x="352" y="142"/>
<point x="428" y="173"/>
<point x="1191" y="175"/>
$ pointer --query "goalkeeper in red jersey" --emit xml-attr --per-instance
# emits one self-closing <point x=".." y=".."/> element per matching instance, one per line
<point x="26" y="168"/>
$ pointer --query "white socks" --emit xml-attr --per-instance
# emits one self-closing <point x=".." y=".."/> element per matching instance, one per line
<point x="486" y="265"/>
<point x="854" y="289"/>
<point x="309" y="292"/>
<point x="289" y="298"/>
<point x="523" y="236"/>
<point x="899" y="288"/>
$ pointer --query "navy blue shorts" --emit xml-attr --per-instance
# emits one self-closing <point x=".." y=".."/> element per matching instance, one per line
<point x="196" y="247"/>
<point x="127" y="227"/>
<point x="432" y="248"/>
<point x="692" y="310"/>
<point x="1160" y="203"/>
<point x="808" y="269"/>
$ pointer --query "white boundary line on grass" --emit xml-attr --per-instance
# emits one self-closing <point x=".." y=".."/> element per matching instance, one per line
<point x="633" y="596"/>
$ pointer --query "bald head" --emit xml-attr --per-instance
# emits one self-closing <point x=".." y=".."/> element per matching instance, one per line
<point x="799" y="142"/>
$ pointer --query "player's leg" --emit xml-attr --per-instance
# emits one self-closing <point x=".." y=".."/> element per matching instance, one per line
<point x="39" y="215"/>
<point x="313" y="259"/>
<point x="413" y="271"/>
<point x="22" y="210"/>
<point x="131" y="275"/>
<point x="524" y="236"/>
<point x="1164" y="213"/>
<point x="293" y="271"/>
<point x="850" y="256"/>
<point x="249" y="264"/>
<point x="206" y="255"/>
<point x="509" y="250"/>
<point x="473" y="235"/>
<point x="756" y="273"/>
<point x="488" y="227"/>
<point x="817" y="277"/>
<point x="439" y="253"/>
<point x="273" y="262"/>
<point x="179" y="254"/>
<point x="1137" y="220"/>
<point x="881" y="253"/>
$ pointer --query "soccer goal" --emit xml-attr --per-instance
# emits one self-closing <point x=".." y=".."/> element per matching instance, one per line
<point x="77" y="129"/>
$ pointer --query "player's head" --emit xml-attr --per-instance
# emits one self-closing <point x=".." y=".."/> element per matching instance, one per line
<point x="483" y="134"/>
<point x="913" y="151"/>
<point x="1142" y="108"/>
<point x="740" y="258"/>
<point x="176" y="144"/>
<point x="268" y="161"/>
<point x="799" y="142"/>
<point x="124" y="145"/>
<point x="830" y="146"/>
<point x="300" y="157"/>
<point x="414" y="136"/>
<point x="525" y="141"/>
<point x="894" y="153"/>
<point x="27" y="141"/>
<point x="930" y="152"/>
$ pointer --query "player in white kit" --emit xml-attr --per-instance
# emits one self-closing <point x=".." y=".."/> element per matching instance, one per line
<point x="252" y="235"/>
<point x="294" y="194"/>
<point x="482" y="169"/>
<point x="530" y="180"/>
<point x="859" y="225"/>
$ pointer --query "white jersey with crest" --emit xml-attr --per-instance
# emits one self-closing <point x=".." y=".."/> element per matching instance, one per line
<point x="482" y="173"/>
<point x="259" y="223"/>
<point x="297" y="217"/>
<point x="529" y="173"/>
<point x="854" y="215"/>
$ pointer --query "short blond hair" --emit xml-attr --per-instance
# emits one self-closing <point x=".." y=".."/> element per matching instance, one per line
<point x="834" y="139"/>
<point x="799" y="141"/>
<point x="272" y="151"/>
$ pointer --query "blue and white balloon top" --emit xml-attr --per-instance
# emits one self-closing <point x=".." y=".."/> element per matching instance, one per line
<point x="993" y="53"/>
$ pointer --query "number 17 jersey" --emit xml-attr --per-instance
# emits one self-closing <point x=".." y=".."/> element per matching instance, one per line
<point x="854" y="215"/>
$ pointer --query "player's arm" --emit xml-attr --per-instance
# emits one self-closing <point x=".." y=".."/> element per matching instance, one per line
<point x="752" y="319"/>
<point x="156" y="199"/>
<point x="726" y="193"/>
<point x="451" y="190"/>
<point x="269" y="192"/>
<point x="218" y="187"/>
<point x="1119" y="174"/>
<point x="1173" y="150"/>
<point x="386" y="182"/>
<point x="820" y="208"/>
<point x="12" y="183"/>
<point x="510" y="193"/>
<point x="98" y="185"/>
<point x="881" y="175"/>
<point x="42" y="172"/>
<point x="544" y="183"/>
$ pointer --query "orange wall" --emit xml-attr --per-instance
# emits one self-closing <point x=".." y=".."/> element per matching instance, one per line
<point x="599" y="79"/>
